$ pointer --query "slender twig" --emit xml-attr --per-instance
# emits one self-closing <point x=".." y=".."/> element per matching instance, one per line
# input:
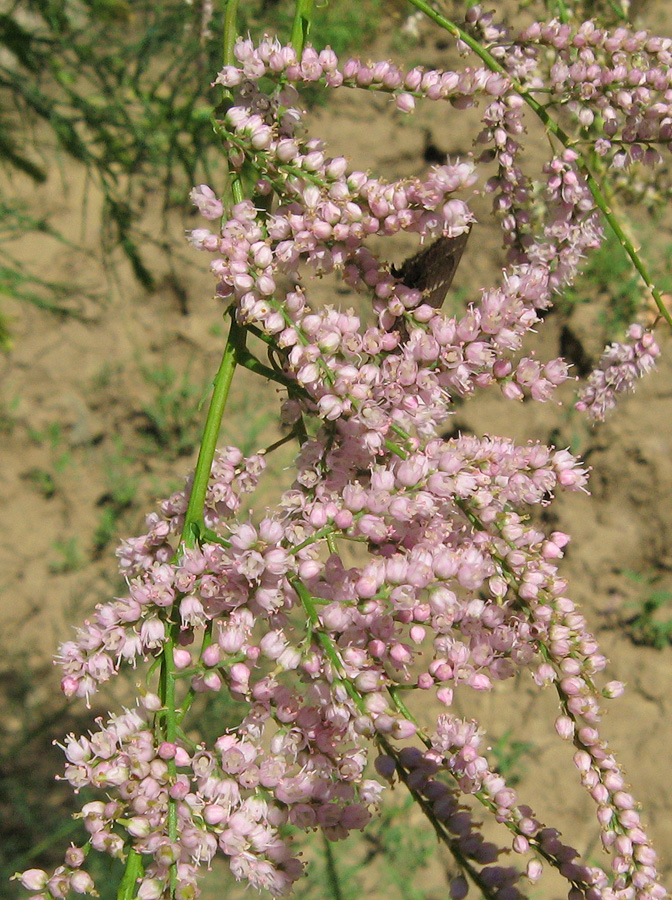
<point x="332" y="872"/>
<point x="439" y="829"/>
<point x="249" y="361"/>
<point x="280" y="442"/>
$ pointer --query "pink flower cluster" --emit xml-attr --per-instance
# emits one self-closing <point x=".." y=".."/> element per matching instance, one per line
<point x="233" y="798"/>
<point x="324" y="219"/>
<point x="456" y="589"/>
<point x="440" y="526"/>
<point x="618" y="371"/>
<point x="616" y="82"/>
<point x="271" y="58"/>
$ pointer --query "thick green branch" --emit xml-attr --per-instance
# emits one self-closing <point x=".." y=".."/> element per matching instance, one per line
<point x="230" y="31"/>
<point x="194" y="517"/>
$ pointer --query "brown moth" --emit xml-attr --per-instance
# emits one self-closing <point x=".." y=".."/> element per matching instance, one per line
<point x="433" y="268"/>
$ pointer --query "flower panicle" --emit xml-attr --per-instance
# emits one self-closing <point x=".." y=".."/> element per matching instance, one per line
<point x="459" y="589"/>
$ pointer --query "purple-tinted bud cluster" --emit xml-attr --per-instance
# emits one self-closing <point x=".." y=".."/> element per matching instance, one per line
<point x="615" y="82"/>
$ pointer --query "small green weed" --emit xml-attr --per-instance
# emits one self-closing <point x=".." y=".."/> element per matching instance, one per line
<point x="117" y="499"/>
<point x="8" y="420"/>
<point x="508" y="755"/>
<point x="45" y="479"/>
<point x="174" y="416"/>
<point x="608" y="273"/>
<point x="651" y="624"/>
<point x="42" y="481"/>
<point x="70" y="557"/>
<point x="51" y="434"/>
<point x="105" y="377"/>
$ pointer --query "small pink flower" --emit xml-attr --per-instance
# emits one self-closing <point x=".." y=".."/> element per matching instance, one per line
<point x="33" y="879"/>
<point x="204" y="198"/>
<point x="405" y="102"/>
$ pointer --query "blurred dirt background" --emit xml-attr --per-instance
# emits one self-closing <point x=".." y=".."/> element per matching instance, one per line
<point x="99" y="417"/>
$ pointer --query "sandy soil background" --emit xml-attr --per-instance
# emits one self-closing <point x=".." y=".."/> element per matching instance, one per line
<point x="99" y="417"/>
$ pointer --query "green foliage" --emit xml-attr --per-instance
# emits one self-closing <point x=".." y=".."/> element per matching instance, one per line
<point x="346" y="27"/>
<point x="117" y="499"/>
<point x="124" y="89"/>
<point x="8" y="419"/>
<point x="174" y="416"/>
<point x="508" y="755"/>
<point x="42" y="481"/>
<point x="70" y="557"/>
<point x="651" y="624"/>
<point x="51" y="434"/>
<point x="609" y="274"/>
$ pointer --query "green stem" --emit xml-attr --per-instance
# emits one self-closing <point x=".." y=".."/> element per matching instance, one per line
<point x="619" y="12"/>
<point x="461" y="35"/>
<point x="230" y="31"/>
<point x="301" y="25"/>
<point x="191" y="531"/>
<point x="168" y="721"/>
<point x="229" y="59"/>
<point x="396" y="449"/>
<point x="133" y="871"/>
<point x="308" y="604"/>
<point x="563" y="13"/>
<point x="281" y="441"/>
<point x="332" y="872"/>
<point x="249" y="361"/>
<point x="193" y="520"/>
<point x="562" y="136"/>
<point x="317" y="536"/>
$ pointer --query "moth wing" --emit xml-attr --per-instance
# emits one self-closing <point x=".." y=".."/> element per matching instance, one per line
<point x="432" y="270"/>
